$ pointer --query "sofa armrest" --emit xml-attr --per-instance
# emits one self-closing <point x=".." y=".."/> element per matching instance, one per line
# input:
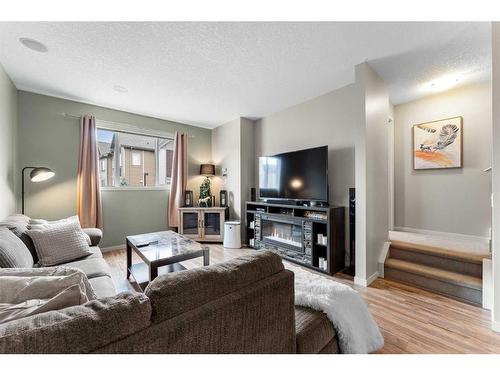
<point x="95" y="235"/>
<point x="77" y="329"/>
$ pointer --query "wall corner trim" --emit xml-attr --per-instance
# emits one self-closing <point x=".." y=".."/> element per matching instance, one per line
<point x="382" y="258"/>
<point x="366" y="282"/>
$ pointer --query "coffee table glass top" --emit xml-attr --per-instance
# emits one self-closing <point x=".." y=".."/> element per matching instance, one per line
<point x="164" y="245"/>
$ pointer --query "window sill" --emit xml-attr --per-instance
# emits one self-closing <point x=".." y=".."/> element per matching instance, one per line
<point x="138" y="188"/>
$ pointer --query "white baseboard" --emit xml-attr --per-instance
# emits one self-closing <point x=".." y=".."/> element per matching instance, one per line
<point x="495" y="326"/>
<point x="466" y="237"/>
<point x="487" y="284"/>
<point x="366" y="282"/>
<point x="112" y="248"/>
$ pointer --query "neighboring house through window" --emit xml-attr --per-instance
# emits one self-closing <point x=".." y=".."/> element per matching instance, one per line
<point x="136" y="158"/>
<point x="133" y="160"/>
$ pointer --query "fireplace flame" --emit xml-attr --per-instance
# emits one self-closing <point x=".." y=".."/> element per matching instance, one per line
<point x="282" y="236"/>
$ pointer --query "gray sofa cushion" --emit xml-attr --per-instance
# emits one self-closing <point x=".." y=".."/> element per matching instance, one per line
<point x="93" y="267"/>
<point x="77" y="329"/>
<point x="13" y="252"/>
<point x="314" y="331"/>
<point x="96" y="253"/>
<point x="103" y="286"/>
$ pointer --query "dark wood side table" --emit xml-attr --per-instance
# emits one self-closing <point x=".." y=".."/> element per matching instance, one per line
<point x="161" y="253"/>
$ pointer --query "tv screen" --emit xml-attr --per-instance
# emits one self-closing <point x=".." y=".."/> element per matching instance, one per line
<point x="298" y="175"/>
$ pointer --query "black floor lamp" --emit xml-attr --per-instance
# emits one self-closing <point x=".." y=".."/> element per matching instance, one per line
<point x="37" y="174"/>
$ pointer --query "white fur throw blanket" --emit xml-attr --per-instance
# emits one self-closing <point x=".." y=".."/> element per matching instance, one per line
<point x="356" y="329"/>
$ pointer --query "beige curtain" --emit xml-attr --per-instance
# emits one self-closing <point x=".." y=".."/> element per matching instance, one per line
<point x="178" y="181"/>
<point x="88" y="203"/>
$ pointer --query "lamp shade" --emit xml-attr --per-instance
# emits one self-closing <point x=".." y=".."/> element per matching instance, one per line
<point x="41" y="174"/>
<point x="207" y="169"/>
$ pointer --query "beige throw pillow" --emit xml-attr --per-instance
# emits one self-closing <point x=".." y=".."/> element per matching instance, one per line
<point x="59" y="243"/>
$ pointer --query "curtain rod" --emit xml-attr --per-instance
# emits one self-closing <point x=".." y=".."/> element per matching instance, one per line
<point x="137" y="128"/>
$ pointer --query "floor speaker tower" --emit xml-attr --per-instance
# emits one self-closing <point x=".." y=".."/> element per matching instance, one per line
<point x="253" y="196"/>
<point x="352" y="233"/>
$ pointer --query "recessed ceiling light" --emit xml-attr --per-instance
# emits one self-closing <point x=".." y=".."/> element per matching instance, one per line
<point x="120" y="89"/>
<point x="33" y="44"/>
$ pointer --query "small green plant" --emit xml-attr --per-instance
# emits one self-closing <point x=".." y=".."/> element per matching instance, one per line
<point x="205" y="188"/>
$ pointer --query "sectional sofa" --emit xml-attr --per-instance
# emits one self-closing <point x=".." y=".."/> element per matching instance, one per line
<point x="245" y="305"/>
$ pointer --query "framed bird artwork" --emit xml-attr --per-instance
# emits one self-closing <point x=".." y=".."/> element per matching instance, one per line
<point x="438" y="144"/>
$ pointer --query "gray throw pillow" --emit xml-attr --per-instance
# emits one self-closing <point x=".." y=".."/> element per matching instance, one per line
<point x="41" y="223"/>
<point x="59" y="243"/>
<point x="13" y="252"/>
<point x="18" y="224"/>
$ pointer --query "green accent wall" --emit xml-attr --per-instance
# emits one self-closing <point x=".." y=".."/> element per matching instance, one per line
<point x="47" y="138"/>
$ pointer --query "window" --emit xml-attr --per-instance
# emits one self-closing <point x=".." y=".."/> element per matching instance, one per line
<point x="136" y="158"/>
<point x="133" y="160"/>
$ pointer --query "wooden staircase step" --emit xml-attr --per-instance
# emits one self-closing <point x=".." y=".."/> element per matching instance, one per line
<point x="452" y="284"/>
<point x="461" y="256"/>
<point x="431" y="259"/>
<point x="435" y="273"/>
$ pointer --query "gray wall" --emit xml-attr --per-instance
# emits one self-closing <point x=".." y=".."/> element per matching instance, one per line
<point x="8" y="128"/>
<point x="48" y="138"/>
<point x="496" y="174"/>
<point x="233" y="149"/>
<point x="344" y="120"/>
<point x="331" y="119"/>
<point x="455" y="200"/>
<point x="248" y="159"/>
<point x="372" y="175"/>
<point x="226" y="153"/>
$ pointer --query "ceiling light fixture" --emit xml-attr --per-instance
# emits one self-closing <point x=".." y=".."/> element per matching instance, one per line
<point x="33" y="45"/>
<point x="120" y="89"/>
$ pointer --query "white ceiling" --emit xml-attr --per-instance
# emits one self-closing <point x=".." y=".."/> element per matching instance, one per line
<point x="207" y="74"/>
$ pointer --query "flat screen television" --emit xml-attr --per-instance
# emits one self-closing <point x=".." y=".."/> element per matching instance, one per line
<point x="298" y="176"/>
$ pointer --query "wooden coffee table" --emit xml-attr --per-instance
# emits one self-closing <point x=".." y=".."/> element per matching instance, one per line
<point x="161" y="253"/>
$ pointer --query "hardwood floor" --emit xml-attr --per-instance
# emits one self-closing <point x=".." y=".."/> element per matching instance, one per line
<point x="411" y="320"/>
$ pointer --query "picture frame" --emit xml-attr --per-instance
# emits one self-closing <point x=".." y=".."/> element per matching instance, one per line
<point x="438" y="144"/>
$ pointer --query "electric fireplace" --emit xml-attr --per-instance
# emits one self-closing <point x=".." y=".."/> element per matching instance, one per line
<point x="287" y="233"/>
<point x="296" y="233"/>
